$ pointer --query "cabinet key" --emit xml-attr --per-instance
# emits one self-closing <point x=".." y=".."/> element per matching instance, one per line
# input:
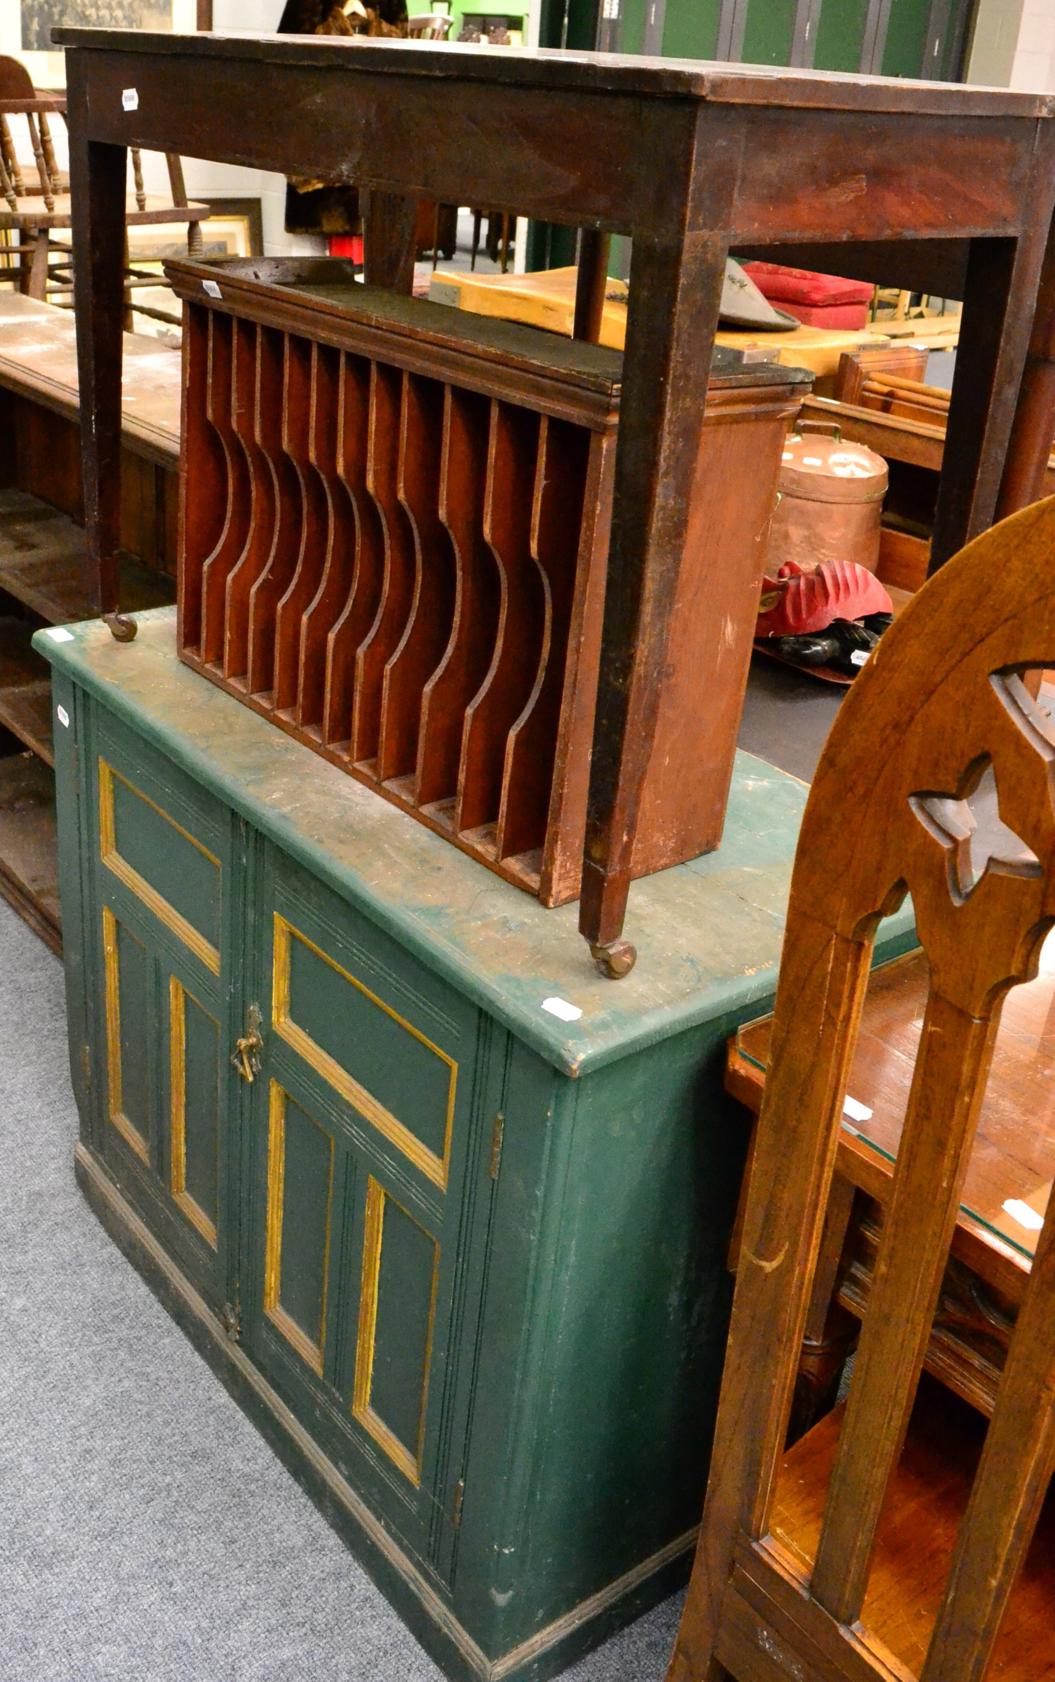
<point x="248" y="1046"/>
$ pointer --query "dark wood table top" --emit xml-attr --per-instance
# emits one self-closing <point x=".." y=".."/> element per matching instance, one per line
<point x="607" y="73"/>
<point x="1013" y="1162"/>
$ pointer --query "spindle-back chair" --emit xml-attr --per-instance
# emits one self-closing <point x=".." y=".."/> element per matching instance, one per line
<point x="879" y="1548"/>
<point x="36" y="201"/>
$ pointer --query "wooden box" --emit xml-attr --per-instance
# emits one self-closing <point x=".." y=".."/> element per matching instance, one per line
<point x="394" y="532"/>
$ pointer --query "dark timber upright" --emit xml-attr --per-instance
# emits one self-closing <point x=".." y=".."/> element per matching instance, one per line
<point x="945" y="189"/>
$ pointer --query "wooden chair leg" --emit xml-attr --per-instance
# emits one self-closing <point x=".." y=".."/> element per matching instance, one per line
<point x="35" y="272"/>
<point x="821" y="1367"/>
<point x="830" y="1332"/>
<point x="127" y="288"/>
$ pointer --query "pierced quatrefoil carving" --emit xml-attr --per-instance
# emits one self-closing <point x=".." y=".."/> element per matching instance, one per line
<point x="968" y="825"/>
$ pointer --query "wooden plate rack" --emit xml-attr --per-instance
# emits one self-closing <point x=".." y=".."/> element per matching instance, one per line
<point x="393" y="538"/>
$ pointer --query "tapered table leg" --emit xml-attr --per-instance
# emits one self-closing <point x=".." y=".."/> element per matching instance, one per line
<point x="591" y="284"/>
<point x="97" y="190"/>
<point x="1034" y="426"/>
<point x="1002" y="277"/>
<point x="675" y="291"/>
<point x="390" y="226"/>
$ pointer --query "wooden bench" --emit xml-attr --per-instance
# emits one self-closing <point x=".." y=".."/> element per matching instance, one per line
<point x="44" y="577"/>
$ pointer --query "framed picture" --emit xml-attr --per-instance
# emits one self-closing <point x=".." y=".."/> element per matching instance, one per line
<point x="235" y="229"/>
<point x="27" y="26"/>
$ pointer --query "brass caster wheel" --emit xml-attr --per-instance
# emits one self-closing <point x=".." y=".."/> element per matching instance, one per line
<point x="615" y="960"/>
<point x="121" y="628"/>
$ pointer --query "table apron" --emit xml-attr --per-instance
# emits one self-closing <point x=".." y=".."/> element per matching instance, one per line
<point x="573" y="158"/>
<point x="604" y="159"/>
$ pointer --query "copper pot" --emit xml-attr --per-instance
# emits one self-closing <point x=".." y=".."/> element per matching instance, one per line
<point x="829" y="501"/>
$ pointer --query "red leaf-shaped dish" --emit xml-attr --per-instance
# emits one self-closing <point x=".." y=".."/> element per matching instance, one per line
<point x="809" y="601"/>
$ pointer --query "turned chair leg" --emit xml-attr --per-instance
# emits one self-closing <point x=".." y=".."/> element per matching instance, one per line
<point x="34" y="274"/>
<point x="127" y="310"/>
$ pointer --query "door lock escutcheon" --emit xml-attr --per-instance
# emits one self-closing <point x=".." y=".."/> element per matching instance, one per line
<point x="248" y="1046"/>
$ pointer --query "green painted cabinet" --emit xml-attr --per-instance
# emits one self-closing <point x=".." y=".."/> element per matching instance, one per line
<point x="446" y="1210"/>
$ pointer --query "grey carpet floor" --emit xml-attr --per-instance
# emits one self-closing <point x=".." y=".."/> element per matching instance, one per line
<point x="147" y="1533"/>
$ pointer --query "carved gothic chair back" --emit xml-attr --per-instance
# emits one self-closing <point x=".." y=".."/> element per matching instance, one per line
<point x="938" y="719"/>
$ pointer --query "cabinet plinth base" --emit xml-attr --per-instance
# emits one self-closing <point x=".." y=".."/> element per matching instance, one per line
<point x="417" y="1603"/>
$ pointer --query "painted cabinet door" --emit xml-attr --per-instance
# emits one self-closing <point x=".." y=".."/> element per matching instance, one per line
<point x="166" y="915"/>
<point x="368" y="1136"/>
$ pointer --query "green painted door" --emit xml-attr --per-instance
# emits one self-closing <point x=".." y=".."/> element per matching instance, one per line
<point x="165" y="916"/>
<point x="769" y="32"/>
<point x="906" y="39"/>
<point x="691" y="31"/>
<point x="840" y="36"/>
<point x="370" y="1103"/>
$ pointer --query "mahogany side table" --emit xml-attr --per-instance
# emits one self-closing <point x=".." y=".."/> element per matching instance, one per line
<point x="943" y="188"/>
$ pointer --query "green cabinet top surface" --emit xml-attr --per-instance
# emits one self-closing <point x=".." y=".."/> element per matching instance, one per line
<point x="708" y="932"/>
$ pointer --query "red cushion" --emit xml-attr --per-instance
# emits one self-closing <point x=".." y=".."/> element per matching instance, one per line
<point x="802" y="286"/>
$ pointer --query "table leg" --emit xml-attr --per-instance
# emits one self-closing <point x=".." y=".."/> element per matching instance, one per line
<point x="97" y="188"/>
<point x="591" y="284"/>
<point x="1002" y="280"/>
<point x="1034" y="424"/>
<point x="675" y="291"/>
<point x="390" y="237"/>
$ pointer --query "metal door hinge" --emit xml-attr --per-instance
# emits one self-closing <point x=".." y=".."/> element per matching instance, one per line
<point x="248" y="1046"/>
<point x="497" y="1135"/>
<point x="459" y="1497"/>
<point x="231" y="1318"/>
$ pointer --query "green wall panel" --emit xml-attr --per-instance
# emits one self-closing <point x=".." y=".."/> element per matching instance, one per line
<point x="840" y="35"/>
<point x="691" y="30"/>
<point x="635" y="17"/>
<point x="906" y="38"/>
<point x="769" y="32"/>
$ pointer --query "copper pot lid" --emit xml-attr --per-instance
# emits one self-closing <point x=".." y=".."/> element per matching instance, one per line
<point x="821" y="465"/>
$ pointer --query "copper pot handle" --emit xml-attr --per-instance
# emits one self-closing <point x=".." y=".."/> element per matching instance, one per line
<point x="831" y="429"/>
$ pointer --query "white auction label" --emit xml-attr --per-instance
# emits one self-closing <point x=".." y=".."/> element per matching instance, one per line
<point x="211" y="288"/>
<point x="560" y="1007"/>
<point x="58" y="634"/>
<point x="1023" y="1214"/>
<point x="859" y="657"/>
<point x="63" y="717"/>
<point x="130" y="99"/>
<point x="855" y="1110"/>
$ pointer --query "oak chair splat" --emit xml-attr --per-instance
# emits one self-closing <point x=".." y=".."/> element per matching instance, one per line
<point x="941" y="708"/>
